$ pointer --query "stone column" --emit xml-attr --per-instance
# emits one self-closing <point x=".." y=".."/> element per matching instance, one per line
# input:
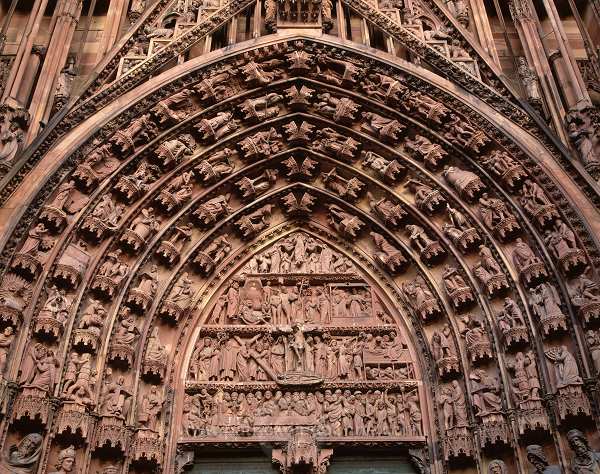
<point x="526" y="21"/>
<point x="574" y="88"/>
<point x="67" y="15"/>
<point x="23" y="54"/>
<point x="117" y="12"/>
<point x="35" y="60"/>
<point x="481" y="22"/>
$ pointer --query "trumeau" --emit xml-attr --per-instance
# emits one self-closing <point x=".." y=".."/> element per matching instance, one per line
<point x="246" y="239"/>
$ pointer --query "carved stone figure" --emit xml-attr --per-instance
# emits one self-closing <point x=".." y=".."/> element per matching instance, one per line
<point x="39" y="368"/>
<point x="260" y="145"/>
<point x="530" y="267"/>
<point x="14" y="121"/>
<point x="389" y="170"/>
<point x="460" y="231"/>
<point x="140" y="130"/>
<point x="391" y="214"/>
<point x="150" y="409"/>
<point x="564" y="246"/>
<point x="6" y="338"/>
<point x="172" y="152"/>
<point x="343" y="222"/>
<point x="458" y="439"/>
<point x="29" y="260"/>
<point x="66" y="201"/>
<point x="347" y="188"/>
<point x="336" y="71"/>
<point x="303" y="170"/>
<point x="125" y="338"/>
<point x="110" y="275"/>
<point x="262" y="73"/>
<point x="141" y="296"/>
<point x="585" y="460"/>
<point x="584" y="295"/>
<point x="15" y="294"/>
<point x="526" y="383"/>
<point x="384" y="88"/>
<point x="390" y="257"/>
<point x="298" y="205"/>
<point x="173" y="108"/>
<point x="216" y="167"/>
<point x="427" y="199"/>
<point x="299" y="98"/>
<point x="210" y="257"/>
<point x="114" y="398"/>
<point x="90" y="326"/>
<point x="458" y="291"/>
<point x="444" y="351"/>
<point x="96" y="166"/>
<point x="496" y="217"/>
<point x="215" y="128"/>
<point x="79" y="386"/>
<point x="497" y="467"/>
<point x="249" y="188"/>
<point x="466" y="183"/>
<point x="342" y="110"/>
<point x="537" y="204"/>
<point x="462" y="133"/>
<point x="584" y="136"/>
<point x="511" y="323"/>
<point x="170" y="249"/>
<point x="141" y="229"/>
<point x="431" y="153"/>
<point x="571" y="401"/>
<point x="330" y="142"/>
<point x="65" y="461"/>
<point x="428" y="108"/>
<point x="216" y="87"/>
<point x="488" y="272"/>
<point x="299" y="134"/>
<point x="212" y="210"/>
<point x="430" y="250"/>
<point x="538" y="459"/>
<point x="477" y="339"/>
<point x="51" y="318"/>
<point x="504" y="167"/>
<point x="129" y="187"/>
<point x="593" y="341"/>
<point x="177" y="192"/>
<point x="23" y="457"/>
<point x="382" y="127"/>
<point x="155" y="359"/>
<point x="251" y="224"/>
<point x="546" y="306"/>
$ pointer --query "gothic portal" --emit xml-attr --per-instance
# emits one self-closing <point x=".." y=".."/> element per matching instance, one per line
<point x="300" y="237"/>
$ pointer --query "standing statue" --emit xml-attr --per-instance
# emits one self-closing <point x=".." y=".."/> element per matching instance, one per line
<point x="150" y="409"/>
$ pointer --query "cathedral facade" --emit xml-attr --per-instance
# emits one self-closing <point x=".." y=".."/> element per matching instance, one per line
<point x="307" y="237"/>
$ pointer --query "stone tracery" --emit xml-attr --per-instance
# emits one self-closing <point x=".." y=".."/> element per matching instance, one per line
<point x="299" y="303"/>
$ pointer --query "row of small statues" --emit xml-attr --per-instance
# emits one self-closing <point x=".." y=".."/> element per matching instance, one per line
<point x="336" y="413"/>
